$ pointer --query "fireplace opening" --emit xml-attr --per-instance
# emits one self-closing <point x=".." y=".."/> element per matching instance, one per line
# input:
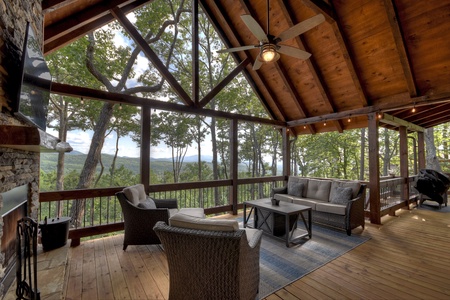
<point x="14" y="208"/>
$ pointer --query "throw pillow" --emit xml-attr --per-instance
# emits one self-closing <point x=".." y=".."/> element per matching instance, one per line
<point x="147" y="204"/>
<point x="295" y="189"/>
<point x="342" y="195"/>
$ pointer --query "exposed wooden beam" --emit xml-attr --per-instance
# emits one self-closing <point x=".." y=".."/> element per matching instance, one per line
<point x="66" y="31"/>
<point x="152" y="56"/>
<point x="48" y="5"/>
<point x="224" y="82"/>
<point x="394" y="121"/>
<point x="88" y="93"/>
<point x="401" y="49"/>
<point x="383" y="105"/>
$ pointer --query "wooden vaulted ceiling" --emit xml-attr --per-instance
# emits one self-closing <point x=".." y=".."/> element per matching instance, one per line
<point x="369" y="56"/>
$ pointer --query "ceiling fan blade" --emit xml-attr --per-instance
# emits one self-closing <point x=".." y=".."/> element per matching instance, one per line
<point x="294" y="52"/>
<point x="255" y="28"/>
<point x="257" y="64"/>
<point x="300" y="28"/>
<point x="237" y="49"/>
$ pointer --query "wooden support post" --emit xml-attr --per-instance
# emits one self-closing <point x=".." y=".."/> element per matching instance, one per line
<point x="286" y="153"/>
<point x="145" y="146"/>
<point x="374" y="170"/>
<point x="234" y="164"/>
<point x="421" y="149"/>
<point x="404" y="164"/>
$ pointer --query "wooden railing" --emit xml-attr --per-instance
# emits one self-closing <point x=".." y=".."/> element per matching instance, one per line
<point x="391" y="197"/>
<point x="102" y="212"/>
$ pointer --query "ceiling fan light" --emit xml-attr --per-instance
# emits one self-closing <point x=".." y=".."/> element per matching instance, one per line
<point x="268" y="53"/>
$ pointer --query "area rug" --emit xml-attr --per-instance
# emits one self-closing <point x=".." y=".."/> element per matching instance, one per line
<point x="279" y="265"/>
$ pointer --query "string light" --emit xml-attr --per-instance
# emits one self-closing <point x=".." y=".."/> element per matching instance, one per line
<point x="304" y="127"/>
<point x="324" y="123"/>
<point x="413" y="109"/>
<point x="82" y="100"/>
<point x="349" y="120"/>
<point x="120" y="106"/>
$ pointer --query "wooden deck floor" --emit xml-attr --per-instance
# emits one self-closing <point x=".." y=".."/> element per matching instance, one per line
<point x="406" y="258"/>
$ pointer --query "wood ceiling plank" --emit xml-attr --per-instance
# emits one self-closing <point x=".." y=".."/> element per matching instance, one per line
<point x="401" y="48"/>
<point x="348" y="57"/>
<point x="311" y="63"/>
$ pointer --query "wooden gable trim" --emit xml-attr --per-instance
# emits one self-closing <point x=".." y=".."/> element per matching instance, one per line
<point x="224" y="83"/>
<point x="139" y="40"/>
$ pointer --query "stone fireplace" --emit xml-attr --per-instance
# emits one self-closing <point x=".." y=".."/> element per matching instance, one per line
<point x="19" y="143"/>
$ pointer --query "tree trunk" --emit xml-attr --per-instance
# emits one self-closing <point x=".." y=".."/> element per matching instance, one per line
<point x="362" y="160"/>
<point x="88" y="172"/>
<point x="432" y="161"/>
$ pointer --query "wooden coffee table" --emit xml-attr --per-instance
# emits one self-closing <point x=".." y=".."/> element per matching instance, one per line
<point x="279" y="220"/>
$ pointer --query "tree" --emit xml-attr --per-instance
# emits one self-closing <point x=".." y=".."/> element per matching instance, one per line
<point x="111" y="67"/>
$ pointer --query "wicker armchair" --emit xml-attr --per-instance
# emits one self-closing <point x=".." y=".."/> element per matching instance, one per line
<point x="139" y="222"/>
<point x="209" y="265"/>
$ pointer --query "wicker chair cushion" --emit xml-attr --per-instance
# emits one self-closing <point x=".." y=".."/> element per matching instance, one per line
<point x="135" y="193"/>
<point x="192" y="222"/>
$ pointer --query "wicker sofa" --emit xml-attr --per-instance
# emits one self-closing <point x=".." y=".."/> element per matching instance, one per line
<point x="337" y="203"/>
<point x="210" y="258"/>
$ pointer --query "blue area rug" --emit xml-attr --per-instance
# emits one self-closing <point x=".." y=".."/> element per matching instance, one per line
<point x="281" y="265"/>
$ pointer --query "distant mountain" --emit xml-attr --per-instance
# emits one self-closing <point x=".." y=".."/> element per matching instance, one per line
<point x="75" y="161"/>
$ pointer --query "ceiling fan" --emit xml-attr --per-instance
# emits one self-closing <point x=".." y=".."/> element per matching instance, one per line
<point x="268" y="44"/>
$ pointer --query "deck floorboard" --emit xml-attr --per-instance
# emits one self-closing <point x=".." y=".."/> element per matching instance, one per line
<point x="406" y="258"/>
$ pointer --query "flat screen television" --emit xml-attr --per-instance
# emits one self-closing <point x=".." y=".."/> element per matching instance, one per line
<point x="35" y="83"/>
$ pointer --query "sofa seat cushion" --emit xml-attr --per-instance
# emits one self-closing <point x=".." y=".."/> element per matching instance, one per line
<point x="318" y="189"/>
<point x="308" y="202"/>
<point x="337" y="209"/>
<point x="192" y="222"/>
<point x="135" y="193"/>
